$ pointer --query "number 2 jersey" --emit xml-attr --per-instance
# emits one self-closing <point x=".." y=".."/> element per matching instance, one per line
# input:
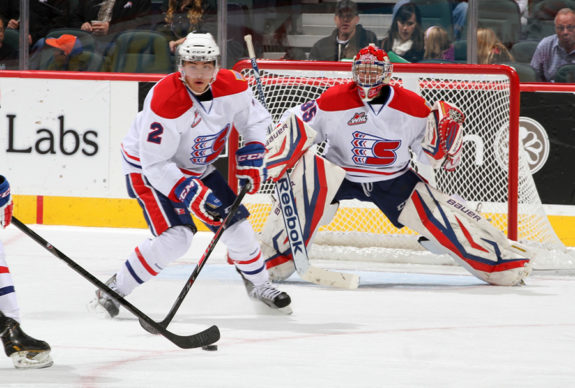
<point x="370" y="142"/>
<point x="176" y="135"/>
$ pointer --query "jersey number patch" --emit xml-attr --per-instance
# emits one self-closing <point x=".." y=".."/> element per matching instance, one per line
<point x="156" y="132"/>
<point x="309" y="110"/>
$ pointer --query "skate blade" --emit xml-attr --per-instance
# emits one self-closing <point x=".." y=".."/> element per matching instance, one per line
<point x="31" y="360"/>
<point x="94" y="307"/>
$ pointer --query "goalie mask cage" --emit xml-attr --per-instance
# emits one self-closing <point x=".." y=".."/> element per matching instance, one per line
<point x="493" y="177"/>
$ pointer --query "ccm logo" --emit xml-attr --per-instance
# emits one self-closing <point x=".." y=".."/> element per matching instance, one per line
<point x="290" y="216"/>
<point x="243" y="158"/>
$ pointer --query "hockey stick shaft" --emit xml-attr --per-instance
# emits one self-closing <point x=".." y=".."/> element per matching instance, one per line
<point x="293" y="228"/>
<point x="203" y="338"/>
<point x="191" y="280"/>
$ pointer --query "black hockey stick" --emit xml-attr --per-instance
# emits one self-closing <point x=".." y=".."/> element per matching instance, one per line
<point x="232" y="212"/>
<point x="206" y="337"/>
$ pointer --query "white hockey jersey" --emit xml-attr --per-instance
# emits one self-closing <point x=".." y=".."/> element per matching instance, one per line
<point x="177" y="136"/>
<point x="369" y="143"/>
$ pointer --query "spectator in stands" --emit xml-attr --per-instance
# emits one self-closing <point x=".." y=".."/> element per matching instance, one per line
<point x="405" y="36"/>
<point x="8" y="55"/>
<point x="438" y="45"/>
<point x="348" y="37"/>
<point x="556" y="50"/>
<point x="490" y="49"/>
<point x="106" y="18"/>
<point x="183" y="17"/>
<point x="459" y="17"/>
<point x="45" y="15"/>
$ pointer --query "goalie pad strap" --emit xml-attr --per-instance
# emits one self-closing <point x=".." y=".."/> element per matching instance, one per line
<point x="471" y="240"/>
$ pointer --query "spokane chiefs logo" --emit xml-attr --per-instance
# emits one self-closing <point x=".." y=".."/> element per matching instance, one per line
<point x="370" y="150"/>
<point x="207" y="148"/>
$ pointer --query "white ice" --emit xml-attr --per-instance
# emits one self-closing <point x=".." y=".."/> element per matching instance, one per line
<point x="406" y="326"/>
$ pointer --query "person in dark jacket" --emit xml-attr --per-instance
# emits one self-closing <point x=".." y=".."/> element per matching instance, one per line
<point x="45" y="15"/>
<point x="405" y="37"/>
<point x="348" y="37"/>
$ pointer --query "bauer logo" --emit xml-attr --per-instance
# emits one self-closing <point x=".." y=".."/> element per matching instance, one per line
<point x="534" y="143"/>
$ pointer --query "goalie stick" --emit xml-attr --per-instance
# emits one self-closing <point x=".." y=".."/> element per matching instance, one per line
<point x="204" y="338"/>
<point x="233" y="210"/>
<point x="283" y="189"/>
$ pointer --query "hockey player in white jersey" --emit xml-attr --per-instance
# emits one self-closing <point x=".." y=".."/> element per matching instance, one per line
<point x="26" y="352"/>
<point x="371" y="128"/>
<point x="168" y="157"/>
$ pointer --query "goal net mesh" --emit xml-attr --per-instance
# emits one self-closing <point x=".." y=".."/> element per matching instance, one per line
<point x="359" y="228"/>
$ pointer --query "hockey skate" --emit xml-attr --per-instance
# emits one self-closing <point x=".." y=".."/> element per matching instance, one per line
<point x="105" y="305"/>
<point x="268" y="294"/>
<point x="25" y="351"/>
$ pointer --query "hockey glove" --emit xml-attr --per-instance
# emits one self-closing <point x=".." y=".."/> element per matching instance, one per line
<point x="200" y="200"/>
<point x="251" y="166"/>
<point x="6" y="204"/>
<point x="444" y="136"/>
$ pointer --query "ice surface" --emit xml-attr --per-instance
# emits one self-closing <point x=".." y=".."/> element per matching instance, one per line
<point x="406" y="326"/>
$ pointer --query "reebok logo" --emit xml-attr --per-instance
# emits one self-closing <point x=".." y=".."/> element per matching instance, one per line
<point x="291" y="219"/>
<point x="358" y="118"/>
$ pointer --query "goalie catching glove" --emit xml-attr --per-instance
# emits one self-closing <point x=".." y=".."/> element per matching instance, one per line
<point x="444" y="136"/>
<point x="6" y="204"/>
<point x="251" y="166"/>
<point x="200" y="200"/>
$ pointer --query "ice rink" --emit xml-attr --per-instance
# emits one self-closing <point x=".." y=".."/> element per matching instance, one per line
<point x="406" y="326"/>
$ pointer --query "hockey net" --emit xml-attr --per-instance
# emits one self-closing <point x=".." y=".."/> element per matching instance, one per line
<point x="493" y="177"/>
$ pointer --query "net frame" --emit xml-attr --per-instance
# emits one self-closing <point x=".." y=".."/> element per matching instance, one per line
<point x="291" y="69"/>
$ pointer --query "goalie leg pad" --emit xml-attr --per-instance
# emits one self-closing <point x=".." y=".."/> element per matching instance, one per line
<point x="315" y="181"/>
<point x="471" y="240"/>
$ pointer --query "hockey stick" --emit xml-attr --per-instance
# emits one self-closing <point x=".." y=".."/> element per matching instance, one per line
<point x="283" y="188"/>
<point x="206" y="337"/>
<point x="232" y="212"/>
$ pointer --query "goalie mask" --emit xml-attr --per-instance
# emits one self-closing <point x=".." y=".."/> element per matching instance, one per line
<point x="371" y="70"/>
<point x="199" y="48"/>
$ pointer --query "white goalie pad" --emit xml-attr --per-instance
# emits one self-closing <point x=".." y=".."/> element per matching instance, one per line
<point x="286" y="144"/>
<point x="443" y="138"/>
<point x="315" y="181"/>
<point x="466" y="236"/>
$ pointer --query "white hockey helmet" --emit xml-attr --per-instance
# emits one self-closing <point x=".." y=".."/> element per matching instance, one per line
<point x="371" y="70"/>
<point x="199" y="48"/>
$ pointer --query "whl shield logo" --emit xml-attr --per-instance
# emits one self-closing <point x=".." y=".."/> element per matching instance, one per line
<point x="358" y="118"/>
<point x="370" y="150"/>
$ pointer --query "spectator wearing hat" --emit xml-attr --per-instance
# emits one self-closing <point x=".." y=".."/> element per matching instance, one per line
<point x="347" y="38"/>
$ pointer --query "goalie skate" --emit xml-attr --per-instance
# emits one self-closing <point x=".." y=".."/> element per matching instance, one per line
<point x="26" y="352"/>
<point x="105" y="305"/>
<point x="269" y="295"/>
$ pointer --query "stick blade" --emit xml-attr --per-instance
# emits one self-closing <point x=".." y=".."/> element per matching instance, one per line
<point x="328" y="278"/>
<point x="203" y="338"/>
